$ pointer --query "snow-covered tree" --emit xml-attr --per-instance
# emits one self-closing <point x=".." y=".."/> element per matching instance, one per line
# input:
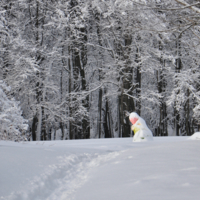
<point x="77" y="67"/>
<point x="12" y="124"/>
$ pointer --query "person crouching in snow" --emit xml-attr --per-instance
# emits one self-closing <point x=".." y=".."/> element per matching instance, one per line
<point x="140" y="129"/>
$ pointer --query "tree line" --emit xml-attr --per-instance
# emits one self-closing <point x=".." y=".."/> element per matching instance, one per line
<point x="77" y="67"/>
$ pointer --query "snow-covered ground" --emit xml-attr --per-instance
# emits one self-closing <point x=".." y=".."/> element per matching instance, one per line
<point x="167" y="168"/>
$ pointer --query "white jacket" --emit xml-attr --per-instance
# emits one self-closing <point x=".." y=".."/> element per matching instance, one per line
<point x="140" y="129"/>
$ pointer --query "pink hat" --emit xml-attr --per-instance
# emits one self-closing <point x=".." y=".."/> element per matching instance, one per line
<point x="133" y="117"/>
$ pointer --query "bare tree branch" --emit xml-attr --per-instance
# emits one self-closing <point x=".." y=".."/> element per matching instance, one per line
<point x="188" y="5"/>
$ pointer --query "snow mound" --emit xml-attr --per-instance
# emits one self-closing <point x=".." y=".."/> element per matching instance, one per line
<point x="195" y="136"/>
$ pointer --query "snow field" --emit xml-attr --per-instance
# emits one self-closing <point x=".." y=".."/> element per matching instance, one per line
<point x="167" y="168"/>
<point x="42" y="172"/>
<point x="168" y="171"/>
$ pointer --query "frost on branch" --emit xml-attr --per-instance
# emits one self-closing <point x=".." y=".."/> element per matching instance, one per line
<point x="12" y="125"/>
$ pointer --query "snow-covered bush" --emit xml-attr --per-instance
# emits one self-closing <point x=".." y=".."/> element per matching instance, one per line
<point x="12" y="125"/>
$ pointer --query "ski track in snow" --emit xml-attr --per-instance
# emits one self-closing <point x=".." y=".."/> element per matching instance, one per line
<point x="60" y="181"/>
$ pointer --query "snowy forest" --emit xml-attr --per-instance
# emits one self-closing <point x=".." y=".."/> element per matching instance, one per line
<point x="74" y="69"/>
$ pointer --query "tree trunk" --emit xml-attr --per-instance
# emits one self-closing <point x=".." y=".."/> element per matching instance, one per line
<point x="126" y="104"/>
<point x="71" y="135"/>
<point x="61" y="95"/>
<point x="187" y="114"/>
<point x="100" y="97"/>
<point x="39" y="124"/>
<point x="138" y="83"/>
<point x="43" y="126"/>
<point x="34" y="127"/>
<point x="99" y="112"/>
<point x="162" y="129"/>
<point x="177" y="70"/>
<point x="106" y="123"/>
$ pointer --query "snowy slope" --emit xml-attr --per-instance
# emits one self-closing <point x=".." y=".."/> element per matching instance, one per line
<point x="105" y="169"/>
